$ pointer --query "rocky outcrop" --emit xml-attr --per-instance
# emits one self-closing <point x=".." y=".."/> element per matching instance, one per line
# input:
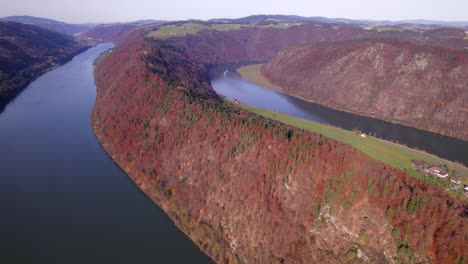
<point x="416" y="85"/>
<point x="251" y="190"/>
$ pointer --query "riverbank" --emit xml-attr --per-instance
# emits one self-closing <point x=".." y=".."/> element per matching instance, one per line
<point x="253" y="74"/>
<point x="139" y="180"/>
<point x="49" y="156"/>
<point x="394" y="154"/>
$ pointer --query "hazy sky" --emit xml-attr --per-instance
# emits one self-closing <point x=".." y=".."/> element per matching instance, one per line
<point x="78" y="11"/>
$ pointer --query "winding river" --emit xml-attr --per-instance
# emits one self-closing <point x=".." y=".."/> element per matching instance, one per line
<point x="230" y="85"/>
<point x="63" y="200"/>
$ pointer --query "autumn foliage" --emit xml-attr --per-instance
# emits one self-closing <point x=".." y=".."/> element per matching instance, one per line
<point x="247" y="189"/>
<point x="416" y="85"/>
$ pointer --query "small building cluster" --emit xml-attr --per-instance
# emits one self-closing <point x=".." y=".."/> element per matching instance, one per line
<point x="436" y="171"/>
<point x="430" y="170"/>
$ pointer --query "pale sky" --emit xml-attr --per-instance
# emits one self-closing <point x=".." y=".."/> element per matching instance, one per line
<point x="81" y="11"/>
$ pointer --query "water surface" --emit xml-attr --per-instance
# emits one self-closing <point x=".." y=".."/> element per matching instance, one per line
<point x="232" y="86"/>
<point x="62" y="199"/>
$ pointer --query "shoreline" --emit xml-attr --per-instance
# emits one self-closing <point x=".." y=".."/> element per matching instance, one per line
<point x="9" y="95"/>
<point x="265" y="82"/>
<point x="157" y="202"/>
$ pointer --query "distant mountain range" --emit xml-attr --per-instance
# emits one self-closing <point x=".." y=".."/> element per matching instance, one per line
<point x="261" y="18"/>
<point x="65" y="28"/>
<point x="73" y="29"/>
<point x="145" y="22"/>
<point x="425" y="22"/>
<point x="54" y="25"/>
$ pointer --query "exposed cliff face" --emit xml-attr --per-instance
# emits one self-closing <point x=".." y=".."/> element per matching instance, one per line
<point x="251" y="190"/>
<point x="28" y="51"/>
<point x="415" y="85"/>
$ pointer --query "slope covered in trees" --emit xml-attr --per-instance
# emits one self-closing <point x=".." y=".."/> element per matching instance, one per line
<point x="111" y="33"/>
<point x="416" y="85"/>
<point x="28" y="51"/>
<point x="262" y="43"/>
<point x="251" y="190"/>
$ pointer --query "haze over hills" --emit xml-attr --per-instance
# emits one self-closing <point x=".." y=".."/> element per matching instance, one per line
<point x="54" y="25"/>
<point x="262" y="18"/>
<point x="71" y="29"/>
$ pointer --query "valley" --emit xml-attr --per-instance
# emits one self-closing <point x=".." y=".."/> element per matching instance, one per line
<point x="215" y="168"/>
<point x="300" y="170"/>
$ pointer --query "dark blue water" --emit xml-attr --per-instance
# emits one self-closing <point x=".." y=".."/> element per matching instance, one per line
<point x="62" y="200"/>
<point x="232" y="86"/>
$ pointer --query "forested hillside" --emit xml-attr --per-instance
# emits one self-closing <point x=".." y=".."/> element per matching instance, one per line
<point x="416" y="85"/>
<point x="28" y="51"/>
<point x="251" y="190"/>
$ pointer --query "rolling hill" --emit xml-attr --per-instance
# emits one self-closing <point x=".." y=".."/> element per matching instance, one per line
<point x="54" y="25"/>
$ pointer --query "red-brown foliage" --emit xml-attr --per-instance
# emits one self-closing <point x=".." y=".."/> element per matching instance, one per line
<point x="248" y="189"/>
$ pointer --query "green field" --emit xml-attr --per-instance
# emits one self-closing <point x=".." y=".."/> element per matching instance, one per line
<point x="193" y="28"/>
<point x="190" y="29"/>
<point x="384" y="28"/>
<point x="282" y="25"/>
<point x="396" y="155"/>
<point x="252" y="73"/>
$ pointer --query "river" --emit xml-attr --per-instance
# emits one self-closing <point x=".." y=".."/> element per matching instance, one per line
<point x="63" y="200"/>
<point x="230" y="85"/>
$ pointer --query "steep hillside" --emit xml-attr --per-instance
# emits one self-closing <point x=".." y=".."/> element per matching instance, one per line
<point x="251" y="190"/>
<point x="61" y="27"/>
<point x="28" y="51"/>
<point x="259" y="43"/>
<point x="415" y="85"/>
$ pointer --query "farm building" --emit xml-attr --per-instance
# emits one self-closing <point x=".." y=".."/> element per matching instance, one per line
<point x="436" y="171"/>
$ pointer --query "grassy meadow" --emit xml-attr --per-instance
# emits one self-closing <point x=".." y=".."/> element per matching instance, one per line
<point x="193" y="28"/>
